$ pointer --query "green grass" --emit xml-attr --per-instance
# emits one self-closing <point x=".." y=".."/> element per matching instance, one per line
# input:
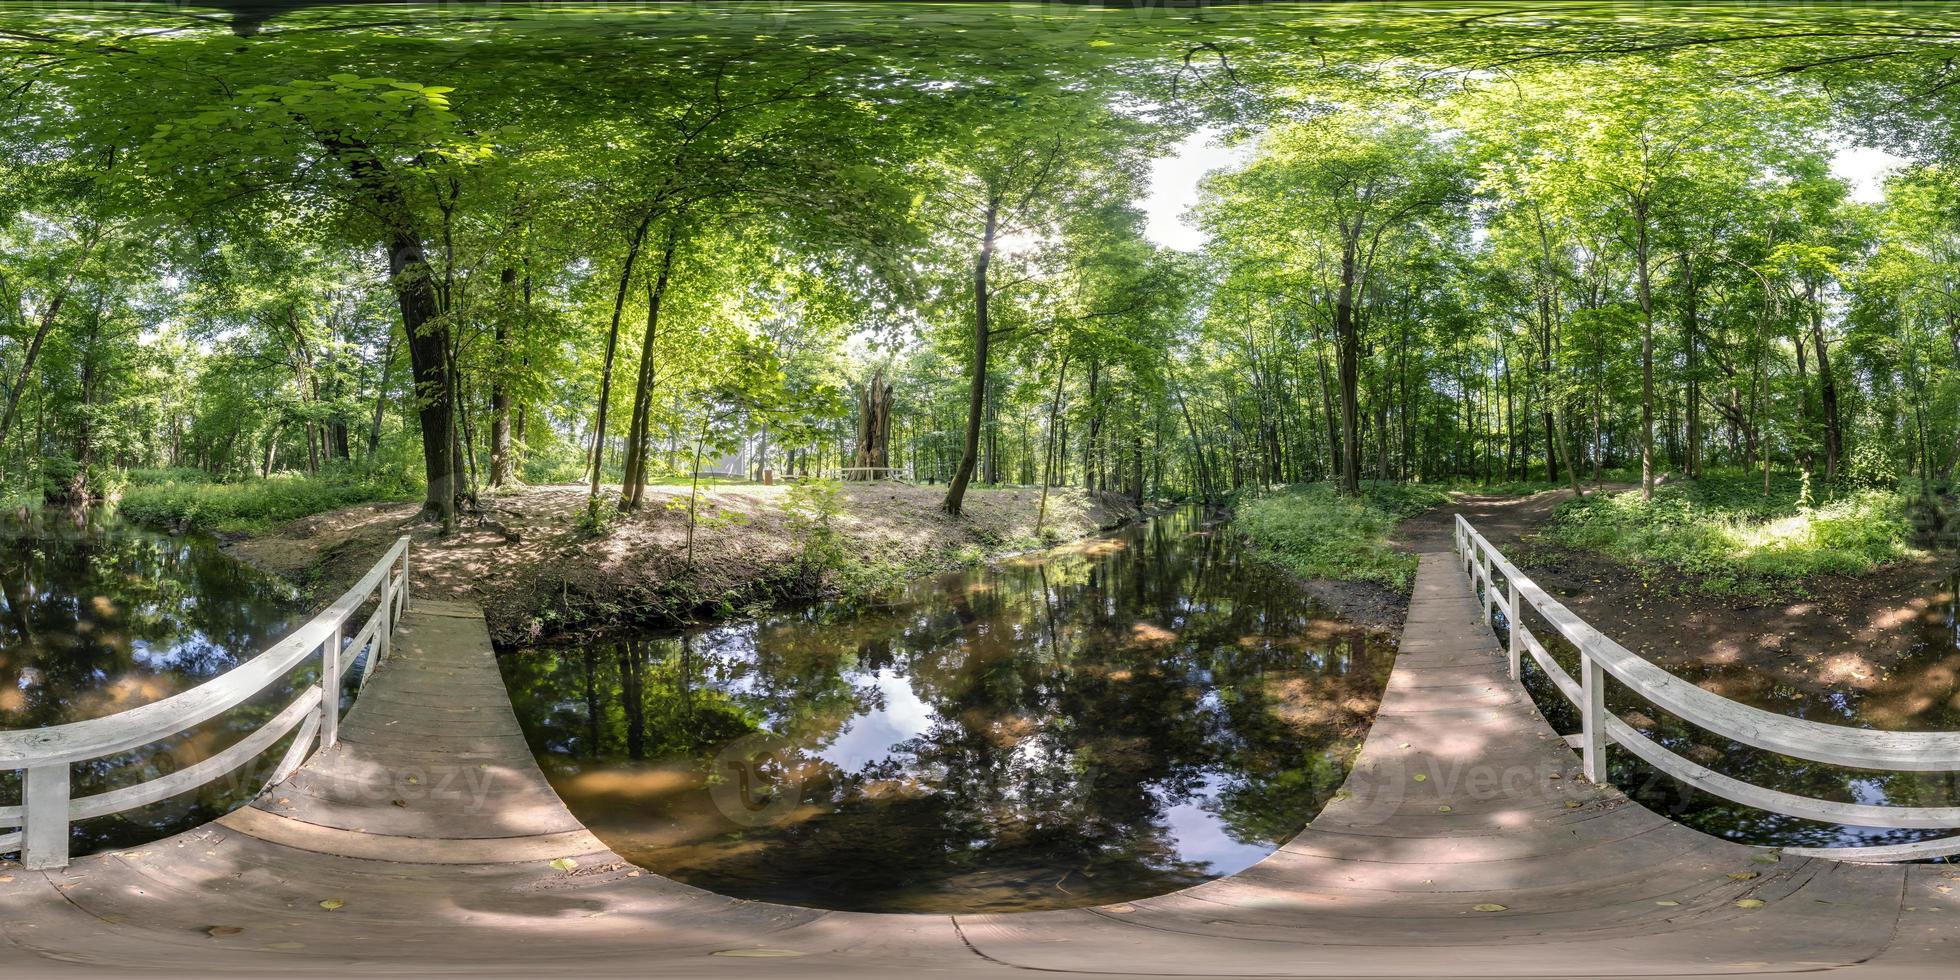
<point x="1725" y="535"/>
<point x="251" y="505"/>
<point x="1314" y="532"/>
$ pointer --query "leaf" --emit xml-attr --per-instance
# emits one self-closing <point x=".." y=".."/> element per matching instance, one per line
<point x="1445" y="808"/>
<point x="1749" y="903"/>
<point x="1421" y="778"/>
<point x="331" y="904"/>
<point x="565" y="864"/>
<point x="1668" y="902"/>
<point x="1491" y="907"/>
<point x="217" y="931"/>
<point x="1743" y="875"/>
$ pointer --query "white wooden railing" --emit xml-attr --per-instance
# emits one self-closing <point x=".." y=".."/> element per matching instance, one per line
<point x="44" y="755"/>
<point x="1600" y="658"/>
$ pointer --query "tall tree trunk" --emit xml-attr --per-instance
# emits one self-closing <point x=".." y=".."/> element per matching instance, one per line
<point x="1048" y="463"/>
<point x="1827" y="387"/>
<point x="1547" y="329"/>
<point x="423" y="322"/>
<point x="381" y="396"/>
<point x="977" y="384"/>
<point x="1093" y="406"/>
<point x="1641" y="261"/>
<point x="428" y="357"/>
<point x="1347" y="337"/>
<point x="638" y="435"/>
<point x="605" y="372"/>
<point x="1691" y="344"/>
<point x="499" y="392"/>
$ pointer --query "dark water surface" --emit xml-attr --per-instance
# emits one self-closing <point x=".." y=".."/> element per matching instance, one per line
<point x="1919" y="691"/>
<point x="98" y="617"/>
<point x="1105" y="721"/>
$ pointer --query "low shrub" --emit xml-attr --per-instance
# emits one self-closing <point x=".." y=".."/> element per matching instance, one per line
<point x="252" y="505"/>
<point x="167" y="474"/>
<point x="1728" y="536"/>
<point x="1314" y="532"/>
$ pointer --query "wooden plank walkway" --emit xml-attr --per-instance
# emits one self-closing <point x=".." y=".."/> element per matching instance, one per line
<point x="431" y="832"/>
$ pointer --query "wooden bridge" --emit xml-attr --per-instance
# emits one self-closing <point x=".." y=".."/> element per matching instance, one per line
<point x="423" y="839"/>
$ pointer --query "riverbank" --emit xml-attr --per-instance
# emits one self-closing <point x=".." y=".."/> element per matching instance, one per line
<point x="1341" y="550"/>
<point x="538" y="575"/>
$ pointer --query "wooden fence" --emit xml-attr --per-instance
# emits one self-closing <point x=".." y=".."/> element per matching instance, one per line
<point x="1601" y="658"/>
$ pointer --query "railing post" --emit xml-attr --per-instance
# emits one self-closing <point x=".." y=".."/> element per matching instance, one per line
<point x="44" y="818"/>
<point x="1490" y="586"/>
<point x="1592" y="714"/>
<point x="330" y="690"/>
<point x="407" y="593"/>
<point x="385" y="629"/>
<point x="1517" y="641"/>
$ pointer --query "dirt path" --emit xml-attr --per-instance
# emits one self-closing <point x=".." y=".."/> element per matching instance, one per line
<point x="1504" y="520"/>
<point x="538" y="575"/>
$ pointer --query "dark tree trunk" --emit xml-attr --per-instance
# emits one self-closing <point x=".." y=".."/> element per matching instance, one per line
<point x="1827" y="387"/>
<point x="977" y="383"/>
<point x="500" y="393"/>
<point x="635" y="475"/>
<point x="422" y="321"/>
<point x="1348" y="340"/>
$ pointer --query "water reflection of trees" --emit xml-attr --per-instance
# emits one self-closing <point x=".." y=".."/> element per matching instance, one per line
<point x="98" y="617"/>
<point x="1073" y="703"/>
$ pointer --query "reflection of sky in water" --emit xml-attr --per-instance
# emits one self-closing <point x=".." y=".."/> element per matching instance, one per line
<point x="869" y="737"/>
<point x="1076" y="727"/>
<point x="1201" y="836"/>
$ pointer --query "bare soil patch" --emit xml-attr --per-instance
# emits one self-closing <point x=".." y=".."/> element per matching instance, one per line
<point x="538" y="575"/>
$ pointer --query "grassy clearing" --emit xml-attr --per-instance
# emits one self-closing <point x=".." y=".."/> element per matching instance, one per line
<point x="1314" y="532"/>
<point x="188" y="500"/>
<point x="1727" y="536"/>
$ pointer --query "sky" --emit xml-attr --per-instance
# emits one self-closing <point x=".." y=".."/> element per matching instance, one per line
<point x="1174" y="182"/>
<point x="1864" y="167"/>
<point x="1174" y="187"/>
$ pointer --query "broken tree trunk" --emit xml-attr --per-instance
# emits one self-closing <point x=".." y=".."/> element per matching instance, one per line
<point x="874" y="436"/>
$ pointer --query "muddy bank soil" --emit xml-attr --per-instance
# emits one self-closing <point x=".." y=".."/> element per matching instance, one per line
<point x="1876" y="649"/>
<point x="537" y="575"/>
<point x="1370" y="605"/>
